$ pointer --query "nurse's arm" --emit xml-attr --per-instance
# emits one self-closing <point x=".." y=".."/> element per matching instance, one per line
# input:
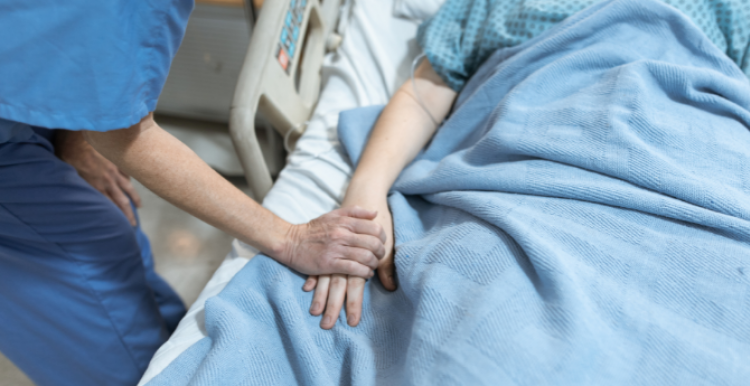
<point x="343" y="241"/>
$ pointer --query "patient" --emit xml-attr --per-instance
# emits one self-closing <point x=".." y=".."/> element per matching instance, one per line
<point x="582" y="217"/>
<point x="456" y="41"/>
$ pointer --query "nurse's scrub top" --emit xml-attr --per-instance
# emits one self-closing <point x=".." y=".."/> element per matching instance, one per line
<point x="464" y="33"/>
<point x="84" y="65"/>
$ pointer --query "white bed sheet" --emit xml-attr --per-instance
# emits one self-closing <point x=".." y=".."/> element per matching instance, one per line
<point x="373" y="61"/>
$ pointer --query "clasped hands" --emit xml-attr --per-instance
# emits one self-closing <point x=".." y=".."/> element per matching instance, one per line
<point x="340" y="250"/>
<point x="352" y="242"/>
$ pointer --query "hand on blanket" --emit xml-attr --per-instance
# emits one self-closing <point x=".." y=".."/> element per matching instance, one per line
<point x="330" y="291"/>
<point x="344" y="241"/>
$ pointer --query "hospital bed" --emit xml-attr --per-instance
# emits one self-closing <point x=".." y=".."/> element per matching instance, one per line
<point x="308" y="60"/>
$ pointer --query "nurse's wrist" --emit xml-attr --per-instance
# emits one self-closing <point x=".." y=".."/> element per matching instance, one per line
<point x="69" y="143"/>
<point x="279" y="241"/>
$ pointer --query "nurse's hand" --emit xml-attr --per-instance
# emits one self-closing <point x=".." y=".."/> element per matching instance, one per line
<point x="99" y="172"/>
<point x="330" y="293"/>
<point x="344" y="241"/>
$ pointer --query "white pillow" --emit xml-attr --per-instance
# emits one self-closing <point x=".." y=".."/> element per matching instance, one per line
<point x="416" y="9"/>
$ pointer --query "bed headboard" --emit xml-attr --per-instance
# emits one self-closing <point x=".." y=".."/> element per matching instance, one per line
<point x="280" y="78"/>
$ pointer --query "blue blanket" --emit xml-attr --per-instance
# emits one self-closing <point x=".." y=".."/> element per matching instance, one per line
<point x="581" y="218"/>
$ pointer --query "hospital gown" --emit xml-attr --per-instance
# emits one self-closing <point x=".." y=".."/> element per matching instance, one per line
<point x="464" y="33"/>
<point x="80" y="302"/>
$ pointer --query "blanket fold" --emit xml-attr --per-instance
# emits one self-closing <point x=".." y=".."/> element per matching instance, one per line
<point x="583" y="217"/>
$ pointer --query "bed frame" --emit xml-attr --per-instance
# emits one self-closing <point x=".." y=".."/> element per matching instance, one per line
<point x="280" y="78"/>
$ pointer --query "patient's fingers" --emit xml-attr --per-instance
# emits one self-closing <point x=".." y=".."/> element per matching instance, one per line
<point x="387" y="274"/>
<point x="354" y="292"/>
<point x="320" y="296"/>
<point x="310" y="283"/>
<point x="349" y="267"/>
<point x="336" y="295"/>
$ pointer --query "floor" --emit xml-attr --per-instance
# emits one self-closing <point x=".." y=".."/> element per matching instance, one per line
<point x="186" y="250"/>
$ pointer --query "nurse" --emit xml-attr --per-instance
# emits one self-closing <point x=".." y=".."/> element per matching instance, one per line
<point x="80" y="303"/>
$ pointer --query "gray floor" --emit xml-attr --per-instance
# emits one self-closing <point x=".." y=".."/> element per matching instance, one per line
<point x="186" y="250"/>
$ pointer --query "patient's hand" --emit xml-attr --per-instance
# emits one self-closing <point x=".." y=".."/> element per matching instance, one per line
<point x="386" y="267"/>
<point x="330" y="292"/>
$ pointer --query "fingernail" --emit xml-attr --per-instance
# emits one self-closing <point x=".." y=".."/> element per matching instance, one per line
<point x="314" y="307"/>
<point x="327" y="320"/>
<point x="352" y="319"/>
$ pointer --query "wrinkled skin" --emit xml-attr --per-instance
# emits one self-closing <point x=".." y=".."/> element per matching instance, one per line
<point x="333" y="291"/>
<point x="344" y="240"/>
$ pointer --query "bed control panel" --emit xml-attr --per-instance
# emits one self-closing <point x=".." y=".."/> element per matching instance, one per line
<point x="290" y="33"/>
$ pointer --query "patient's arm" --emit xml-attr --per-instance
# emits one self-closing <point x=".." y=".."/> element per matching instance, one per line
<point x="402" y="130"/>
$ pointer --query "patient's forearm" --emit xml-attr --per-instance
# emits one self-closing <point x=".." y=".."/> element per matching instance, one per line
<point x="402" y="130"/>
<point x="173" y="171"/>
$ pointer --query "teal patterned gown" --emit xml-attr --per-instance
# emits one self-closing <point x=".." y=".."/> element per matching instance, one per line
<point x="464" y="33"/>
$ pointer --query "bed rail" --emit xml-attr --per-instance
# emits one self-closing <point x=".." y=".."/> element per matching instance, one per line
<point x="280" y="78"/>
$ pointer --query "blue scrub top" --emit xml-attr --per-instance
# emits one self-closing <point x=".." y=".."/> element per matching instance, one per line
<point x="85" y="65"/>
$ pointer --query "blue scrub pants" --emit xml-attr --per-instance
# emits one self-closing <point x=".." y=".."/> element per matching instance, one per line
<point x="80" y="303"/>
